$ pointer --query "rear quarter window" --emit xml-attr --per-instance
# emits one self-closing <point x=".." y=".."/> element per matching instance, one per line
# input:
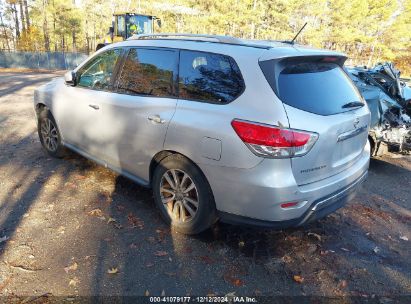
<point x="209" y="77"/>
<point x="320" y="88"/>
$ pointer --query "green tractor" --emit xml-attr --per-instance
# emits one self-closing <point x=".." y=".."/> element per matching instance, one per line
<point x="126" y="25"/>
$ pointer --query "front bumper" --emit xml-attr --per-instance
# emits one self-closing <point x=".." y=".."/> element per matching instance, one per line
<point x="319" y="209"/>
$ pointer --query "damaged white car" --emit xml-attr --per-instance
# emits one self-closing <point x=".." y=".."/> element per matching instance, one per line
<point x="389" y="101"/>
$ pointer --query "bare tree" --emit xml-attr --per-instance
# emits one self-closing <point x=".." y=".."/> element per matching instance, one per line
<point x="5" y="32"/>
<point x="23" y="26"/>
<point x="26" y="9"/>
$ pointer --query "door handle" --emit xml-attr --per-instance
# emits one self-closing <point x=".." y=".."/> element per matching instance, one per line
<point x="156" y="119"/>
<point x="95" y="107"/>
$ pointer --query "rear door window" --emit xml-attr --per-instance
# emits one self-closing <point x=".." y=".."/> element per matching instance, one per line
<point x="149" y="72"/>
<point x="320" y="88"/>
<point x="209" y="77"/>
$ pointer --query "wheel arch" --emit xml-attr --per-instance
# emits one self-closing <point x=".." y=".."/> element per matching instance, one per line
<point x="39" y="107"/>
<point x="155" y="161"/>
<point x="373" y="142"/>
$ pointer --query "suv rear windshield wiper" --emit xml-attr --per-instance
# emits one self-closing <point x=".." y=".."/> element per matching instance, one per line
<point x="353" y="104"/>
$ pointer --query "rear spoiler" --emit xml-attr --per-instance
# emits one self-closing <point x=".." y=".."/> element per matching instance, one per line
<point x="273" y="67"/>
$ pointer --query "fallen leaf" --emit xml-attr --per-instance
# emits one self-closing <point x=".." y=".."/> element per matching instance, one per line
<point x="343" y="284"/>
<point x="161" y="253"/>
<point x="298" y="279"/>
<point x="135" y="221"/>
<point x="113" y="270"/>
<point x="323" y="252"/>
<point x="72" y="267"/>
<point x="111" y="220"/>
<point x="96" y="212"/>
<point x="404" y="238"/>
<point x="73" y="282"/>
<point x="3" y="239"/>
<point x="232" y="280"/>
<point x="147" y="293"/>
<point x="317" y="236"/>
<point x="287" y="259"/>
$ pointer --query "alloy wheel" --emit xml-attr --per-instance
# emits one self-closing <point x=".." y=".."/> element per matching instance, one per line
<point x="49" y="134"/>
<point x="179" y="195"/>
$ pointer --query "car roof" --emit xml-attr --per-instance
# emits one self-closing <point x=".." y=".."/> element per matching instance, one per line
<point x="261" y="49"/>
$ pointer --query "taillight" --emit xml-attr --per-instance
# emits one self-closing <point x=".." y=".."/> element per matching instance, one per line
<point x="275" y="142"/>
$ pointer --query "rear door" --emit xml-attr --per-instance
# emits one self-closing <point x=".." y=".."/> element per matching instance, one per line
<point x="319" y="97"/>
<point x="137" y="115"/>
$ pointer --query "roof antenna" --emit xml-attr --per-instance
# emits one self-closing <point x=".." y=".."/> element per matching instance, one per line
<point x="295" y="37"/>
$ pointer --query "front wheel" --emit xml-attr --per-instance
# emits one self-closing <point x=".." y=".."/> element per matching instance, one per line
<point x="183" y="195"/>
<point x="49" y="134"/>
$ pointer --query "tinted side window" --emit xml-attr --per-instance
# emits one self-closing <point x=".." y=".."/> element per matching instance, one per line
<point x="149" y="72"/>
<point x="321" y="88"/>
<point x="97" y="74"/>
<point x="209" y="77"/>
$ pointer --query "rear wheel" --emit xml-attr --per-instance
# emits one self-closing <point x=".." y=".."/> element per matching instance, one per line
<point x="183" y="195"/>
<point x="49" y="134"/>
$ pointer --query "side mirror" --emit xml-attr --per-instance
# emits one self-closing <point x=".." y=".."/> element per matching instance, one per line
<point x="70" y="78"/>
<point x="158" y="22"/>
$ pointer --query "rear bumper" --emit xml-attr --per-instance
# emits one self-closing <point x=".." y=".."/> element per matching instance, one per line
<point x="319" y="209"/>
<point x="259" y="192"/>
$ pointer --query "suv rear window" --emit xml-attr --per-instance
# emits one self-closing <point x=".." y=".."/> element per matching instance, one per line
<point x="209" y="77"/>
<point x="320" y="88"/>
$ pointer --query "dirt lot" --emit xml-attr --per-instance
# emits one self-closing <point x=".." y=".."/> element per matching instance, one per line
<point x="70" y="227"/>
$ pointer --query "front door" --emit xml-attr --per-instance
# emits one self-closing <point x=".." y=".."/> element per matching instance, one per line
<point x="78" y="109"/>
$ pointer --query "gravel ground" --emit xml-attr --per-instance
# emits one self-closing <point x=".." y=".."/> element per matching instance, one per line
<point x="70" y="227"/>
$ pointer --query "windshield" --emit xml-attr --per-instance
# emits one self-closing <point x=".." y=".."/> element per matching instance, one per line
<point x="137" y="25"/>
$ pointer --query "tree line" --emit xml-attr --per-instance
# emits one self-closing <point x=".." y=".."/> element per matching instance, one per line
<point x="369" y="31"/>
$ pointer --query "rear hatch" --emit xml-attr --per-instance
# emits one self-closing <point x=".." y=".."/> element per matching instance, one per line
<point x="319" y="97"/>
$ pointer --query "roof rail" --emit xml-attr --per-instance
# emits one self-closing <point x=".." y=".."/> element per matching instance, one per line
<point x="196" y="37"/>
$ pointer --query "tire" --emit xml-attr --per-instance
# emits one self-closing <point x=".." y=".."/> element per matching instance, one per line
<point x="176" y="208"/>
<point x="47" y="128"/>
<point x="372" y="147"/>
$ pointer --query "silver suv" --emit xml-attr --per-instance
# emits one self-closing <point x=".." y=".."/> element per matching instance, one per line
<point x="252" y="132"/>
